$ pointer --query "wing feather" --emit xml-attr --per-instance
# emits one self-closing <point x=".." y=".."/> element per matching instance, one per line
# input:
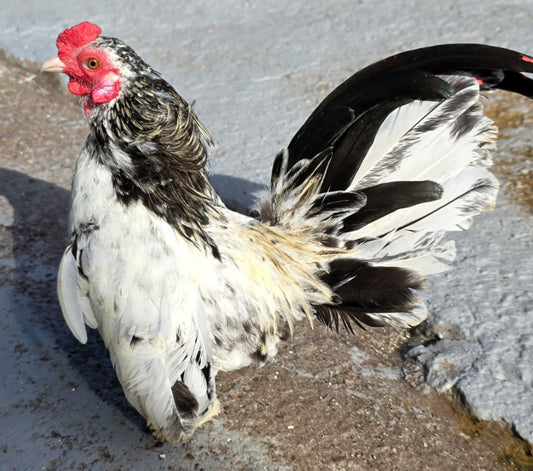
<point x="74" y="305"/>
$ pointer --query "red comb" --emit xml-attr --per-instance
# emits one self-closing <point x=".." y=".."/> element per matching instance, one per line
<point x="73" y="38"/>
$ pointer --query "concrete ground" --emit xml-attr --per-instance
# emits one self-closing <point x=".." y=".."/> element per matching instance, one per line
<point x="328" y="401"/>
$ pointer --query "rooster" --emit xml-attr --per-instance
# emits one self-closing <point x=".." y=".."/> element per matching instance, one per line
<point x="180" y="287"/>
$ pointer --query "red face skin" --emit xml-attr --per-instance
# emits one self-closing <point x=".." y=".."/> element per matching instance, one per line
<point x="92" y="74"/>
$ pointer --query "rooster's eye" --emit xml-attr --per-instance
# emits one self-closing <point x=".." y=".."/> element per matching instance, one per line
<point x="92" y="63"/>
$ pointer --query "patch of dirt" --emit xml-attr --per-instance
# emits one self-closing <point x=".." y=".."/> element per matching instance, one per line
<point x="514" y="165"/>
<point x="322" y="410"/>
<point x="328" y="401"/>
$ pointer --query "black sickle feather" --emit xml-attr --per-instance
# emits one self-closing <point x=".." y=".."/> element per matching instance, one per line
<point x="349" y="150"/>
<point x="385" y="198"/>
<point x="338" y="201"/>
<point x="517" y="83"/>
<point x="378" y="83"/>
<point x="327" y="123"/>
<point x="436" y="60"/>
<point x="363" y="289"/>
<point x="346" y="132"/>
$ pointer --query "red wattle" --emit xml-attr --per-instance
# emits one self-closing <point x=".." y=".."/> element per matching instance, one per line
<point x="78" y="88"/>
<point x="106" y="91"/>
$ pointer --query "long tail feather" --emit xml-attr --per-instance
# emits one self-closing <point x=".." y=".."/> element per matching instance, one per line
<point x="361" y="91"/>
<point x="392" y="159"/>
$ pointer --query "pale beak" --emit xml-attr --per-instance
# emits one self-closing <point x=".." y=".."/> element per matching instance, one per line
<point x="53" y="65"/>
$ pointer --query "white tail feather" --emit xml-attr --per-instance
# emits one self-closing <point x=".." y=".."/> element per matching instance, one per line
<point x="397" y="125"/>
<point x="426" y="142"/>
<point x="423" y="142"/>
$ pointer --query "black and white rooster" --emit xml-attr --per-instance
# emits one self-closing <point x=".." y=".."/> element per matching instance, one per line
<point x="181" y="287"/>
